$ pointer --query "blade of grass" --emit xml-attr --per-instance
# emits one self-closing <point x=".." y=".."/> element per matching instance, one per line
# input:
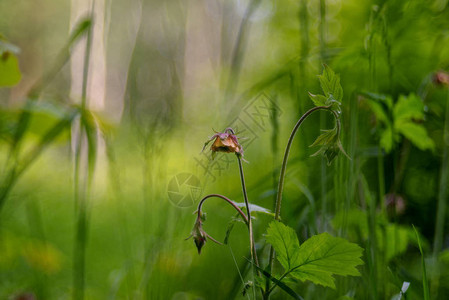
<point x="17" y="170"/>
<point x="442" y="193"/>
<point x="82" y="191"/>
<point x="425" y="283"/>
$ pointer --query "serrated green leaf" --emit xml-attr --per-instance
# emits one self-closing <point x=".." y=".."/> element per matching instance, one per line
<point x="318" y="100"/>
<point x="318" y="258"/>
<point x="323" y="256"/>
<point x="408" y="108"/>
<point x="417" y="134"/>
<point x="285" y="242"/>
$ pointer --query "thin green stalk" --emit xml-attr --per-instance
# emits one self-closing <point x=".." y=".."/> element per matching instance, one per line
<point x="442" y="193"/>
<point x="425" y="283"/>
<point x="371" y="253"/>
<point x="277" y="213"/>
<point x="323" y="171"/>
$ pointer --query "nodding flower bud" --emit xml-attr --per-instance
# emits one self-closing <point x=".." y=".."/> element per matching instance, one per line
<point x="225" y="142"/>
<point x="199" y="235"/>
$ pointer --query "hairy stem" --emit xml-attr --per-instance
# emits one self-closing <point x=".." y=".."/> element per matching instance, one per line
<point x="277" y="213"/>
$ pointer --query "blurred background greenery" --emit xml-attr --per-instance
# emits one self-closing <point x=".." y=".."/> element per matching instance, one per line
<point x="102" y="131"/>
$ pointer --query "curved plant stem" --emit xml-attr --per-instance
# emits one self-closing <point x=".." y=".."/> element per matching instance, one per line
<point x="277" y="213"/>
<point x="245" y="218"/>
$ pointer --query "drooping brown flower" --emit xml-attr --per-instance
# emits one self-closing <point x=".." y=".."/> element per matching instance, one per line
<point x="225" y="142"/>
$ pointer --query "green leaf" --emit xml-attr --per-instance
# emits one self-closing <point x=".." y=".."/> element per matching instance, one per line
<point x="254" y="208"/>
<point x="387" y="139"/>
<point x="9" y="70"/>
<point x="318" y="100"/>
<point x="323" y="255"/>
<point x="408" y="108"/>
<point x="318" y="259"/>
<point x="380" y="112"/>
<point x="285" y="242"/>
<point x="330" y="83"/>
<point x="417" y="134"/>
<point x="385" y="99"/>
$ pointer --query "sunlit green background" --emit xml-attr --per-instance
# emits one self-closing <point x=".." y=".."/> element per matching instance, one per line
<point x="162" y="76"/>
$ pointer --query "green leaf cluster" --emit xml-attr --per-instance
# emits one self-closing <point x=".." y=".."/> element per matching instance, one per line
<point x="332" y="90"/>
<point x="318" y="259"/>
<point x="400" y="119"/>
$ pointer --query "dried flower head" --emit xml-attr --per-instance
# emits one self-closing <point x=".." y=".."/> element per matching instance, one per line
<point x="225" y="142"/>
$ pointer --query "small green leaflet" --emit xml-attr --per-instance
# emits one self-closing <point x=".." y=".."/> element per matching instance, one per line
<point x="318" y="258"/>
